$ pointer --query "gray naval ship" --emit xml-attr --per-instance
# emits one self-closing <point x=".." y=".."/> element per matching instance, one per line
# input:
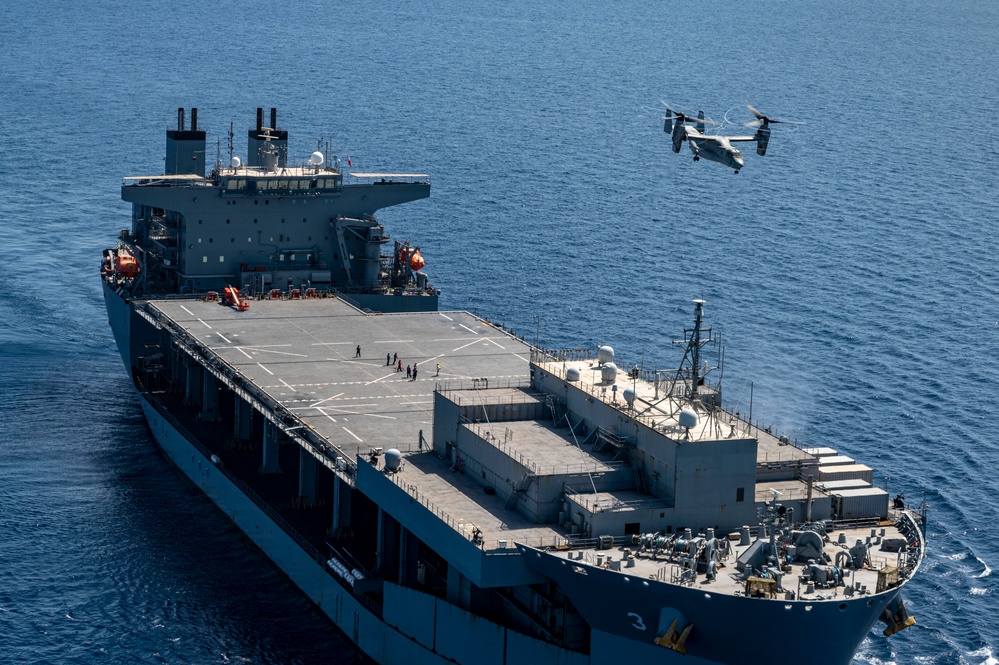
<point x="496" y="503"/>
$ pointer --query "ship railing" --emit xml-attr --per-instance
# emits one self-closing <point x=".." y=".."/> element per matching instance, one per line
<point x="488" y="433"/>
<point x="179" y="180"/>
<point x="610" y="504"/>
<point x="358" y="178"/>
<point x="588" y="543"/>
<point x="910" y="558"/>
<point x="471" y="531"/>
<point x="462" y="527"/>
<point x="653" y="421"/>
<point x="786" y="494"/>
<point x="453" y="389"/>
<point x="781" y="459"/>
<point x="539" y="355"/>
<point x="858" y="523"/>
<point x="554" y="361"/>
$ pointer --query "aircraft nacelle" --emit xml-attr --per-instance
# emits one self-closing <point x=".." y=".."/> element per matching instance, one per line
<point x="679" y="134"/>
<point x="762" y="139"/>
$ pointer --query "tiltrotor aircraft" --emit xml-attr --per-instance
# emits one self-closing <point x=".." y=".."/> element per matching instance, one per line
<point x="716" y="147"/>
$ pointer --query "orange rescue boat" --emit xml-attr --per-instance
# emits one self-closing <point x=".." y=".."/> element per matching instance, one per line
<point x="231" y="294"/>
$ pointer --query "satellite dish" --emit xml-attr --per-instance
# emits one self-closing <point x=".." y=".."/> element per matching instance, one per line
<point x="235" y="162"/>
<point x="572" y="374"/>
<point x="316" y="158"/>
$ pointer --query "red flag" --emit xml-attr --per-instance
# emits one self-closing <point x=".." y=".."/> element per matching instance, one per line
<point x="349" y="163"/>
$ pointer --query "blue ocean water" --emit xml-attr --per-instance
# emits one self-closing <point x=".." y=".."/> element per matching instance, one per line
<point x="851" y="271"/>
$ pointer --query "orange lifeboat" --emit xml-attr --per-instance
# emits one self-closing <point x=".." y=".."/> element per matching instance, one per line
<point x="125" y="264"/>
<point x="231" y="294"/>
<point x="416" y="261"/>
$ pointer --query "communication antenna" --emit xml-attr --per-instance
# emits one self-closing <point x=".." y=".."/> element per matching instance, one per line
<point x="691" y="373"/>
<point x="230" y="142"/>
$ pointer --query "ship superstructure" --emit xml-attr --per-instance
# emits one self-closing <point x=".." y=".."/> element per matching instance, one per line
<point x="496" y="502"/>
<point x="269" y="225"/>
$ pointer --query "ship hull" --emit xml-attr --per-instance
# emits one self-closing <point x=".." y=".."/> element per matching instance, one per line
<point x="624" y="613"/>
<point x="724" y="627"/>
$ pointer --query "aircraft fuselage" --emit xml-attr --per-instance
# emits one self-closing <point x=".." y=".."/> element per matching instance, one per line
<point x="714" y="149"/>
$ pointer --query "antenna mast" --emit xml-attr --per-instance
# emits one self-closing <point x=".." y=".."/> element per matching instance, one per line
<point x="691" y="364"/>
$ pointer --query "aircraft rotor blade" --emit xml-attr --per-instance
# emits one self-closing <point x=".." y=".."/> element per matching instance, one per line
<point x="764" y="120"/>
<point x="669" y="108"/>
<point x="677" y="115"/>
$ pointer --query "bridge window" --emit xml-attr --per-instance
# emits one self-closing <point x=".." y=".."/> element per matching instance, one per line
<point x="740" y="494"/>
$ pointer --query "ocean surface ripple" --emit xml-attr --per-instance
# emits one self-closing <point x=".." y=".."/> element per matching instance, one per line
<point x="851" y="271"/>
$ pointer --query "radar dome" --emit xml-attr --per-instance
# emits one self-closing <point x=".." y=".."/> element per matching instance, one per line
<point x="629" y="396"/>
<point x="235" y="162"/>
<point x="393" y="459"/>
<point x="316" y="158"/>
<point x="605" y="354"/>
<point x="572" y="374"/>
<point x="688" y="418"/>
<point x="608" y="372"/>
